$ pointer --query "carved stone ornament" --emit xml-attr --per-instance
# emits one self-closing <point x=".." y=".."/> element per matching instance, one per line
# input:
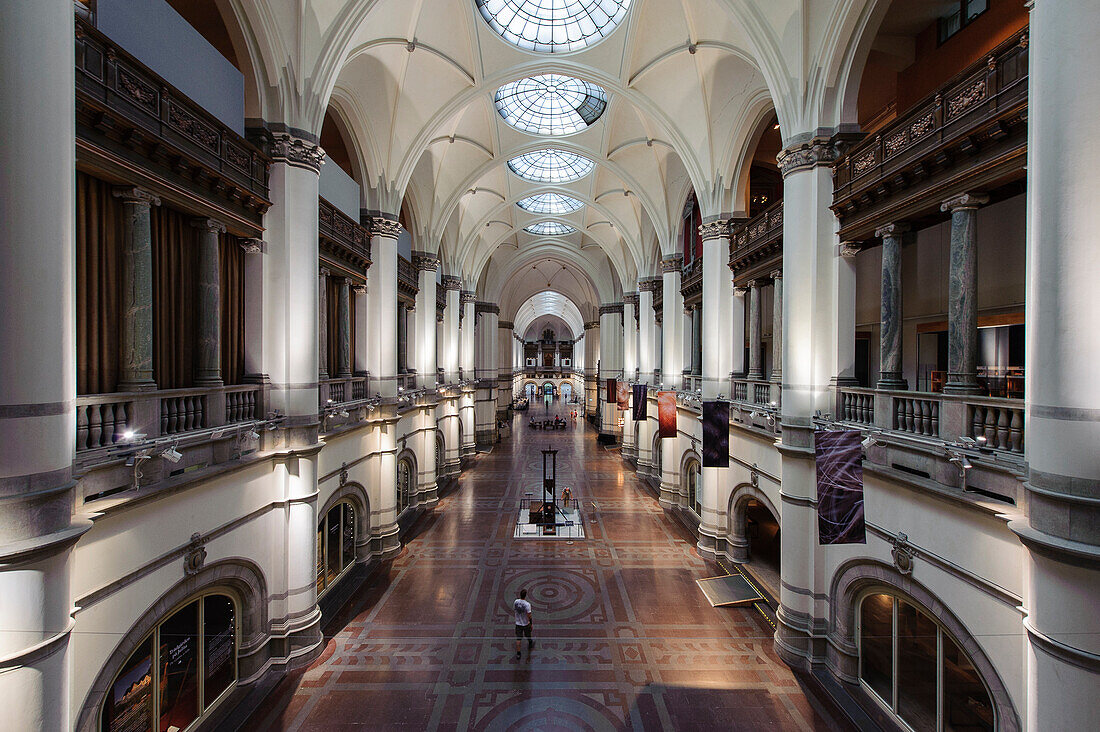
<point x="343" y="474"/>
<point x="630" y="298"/>
<point x="754" y="477"/>
<point x="424" y="262"/>
<point x="385" y="228"/>
<point x="903" y="554"/>
<point x="359" y="289"/>
<point x="253" y="246"/>
<point x="964" y="202"/>
<point x="651" y="284"/>
<point x="847" y="249"/>
<point x="776" y="274"/>
<point x="210" y="226"/>
<point x="891" y="230"/>
<point x="714" y="230"/>
<point x="467" y="297"/>
<point x="611" y="308"/>
<point x="592" y="324"/>
<point x="450" y="282"/>
<point x="672" y="263"/>
<point x="486" y="307"/>
<point x="132" y="194"/>
<point x="506" y="324"/>
<point x="296" y="152"/>
<point x="807" y="155"/>
<point x="196" y="555"/>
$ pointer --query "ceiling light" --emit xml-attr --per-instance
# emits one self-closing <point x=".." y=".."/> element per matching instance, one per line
<point x="549" y="228"/>
<point x="550" y="104"/>
<point x="551" y="166"/>
<point x="553" y="26"/>
<point x="550" y="203"/>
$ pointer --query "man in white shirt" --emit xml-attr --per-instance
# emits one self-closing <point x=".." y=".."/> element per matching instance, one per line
<point x="524" y="622"/>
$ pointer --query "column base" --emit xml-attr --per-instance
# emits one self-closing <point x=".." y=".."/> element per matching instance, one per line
<point x="962" y="388"/>
<point x="149" y="385"/>
<point x="386" y="544"/>
<point x="209" y="382"/>
<point x="891" y="382"/>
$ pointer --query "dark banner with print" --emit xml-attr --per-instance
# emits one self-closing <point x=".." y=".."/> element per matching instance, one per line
<point x="612" y="391"/>
<point x="839" y="487"/>
<point x="640" y="402"/>
<point x="716" y="434"/>
<point x="666" y="414"/>
<point x="623" y="395"/>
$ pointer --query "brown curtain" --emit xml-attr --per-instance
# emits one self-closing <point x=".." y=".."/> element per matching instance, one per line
<point x="175" y="298"/>
<point x="232" y="291"/>
<point x="332" y="301"/>
<point x="98" y="262"/>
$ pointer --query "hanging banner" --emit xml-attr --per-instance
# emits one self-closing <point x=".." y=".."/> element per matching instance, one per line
<point x="666" y="414"/>
<point x="840" y="517"/>
<point x="640" y="402"/>
<point x="612" y="391"/>
<point x="623" y="395"/>
<point x="716" y="434"/>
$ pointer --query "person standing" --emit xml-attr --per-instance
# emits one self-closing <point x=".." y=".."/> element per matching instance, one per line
<point x="524" y="622"/>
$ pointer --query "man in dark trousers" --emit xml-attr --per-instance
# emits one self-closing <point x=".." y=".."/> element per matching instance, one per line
<point x="524" y="622"/>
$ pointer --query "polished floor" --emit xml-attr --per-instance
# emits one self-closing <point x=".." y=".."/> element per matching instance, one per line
<point x="625" y="639"/>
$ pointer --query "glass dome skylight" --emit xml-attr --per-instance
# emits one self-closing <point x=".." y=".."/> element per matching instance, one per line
<point x="549" y="228"/>
<point x="553" y="26"/>
<point x="551" y="166"/>
<point x="549" y="203"/>
<point x="550" y="104"/>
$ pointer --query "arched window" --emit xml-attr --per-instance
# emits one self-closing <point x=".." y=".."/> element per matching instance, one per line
<point x="335" y="545"/>
<point x="404" y="484"/>
<point x="916" y="670"/>
<point x="694" y="499"/>
<point x="179" y="672"/>
<point x="440" y="454"/>
<point x="658" y="467"/>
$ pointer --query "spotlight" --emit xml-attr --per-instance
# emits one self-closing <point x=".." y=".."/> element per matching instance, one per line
<point x="128" y="435"/>
<point x="867" y="442"/>
<point x="370" y="407"/>
<point x="981" y="440"/>
<point x="343" y="413"/>
<point x="172" y="455"/>
<point x="330" y="401"/>
<point x="131" y="461"/>
<point x="252" y="435"/>
<point x="752" y="415"/>
<point x="774" y="405"/>
<point x="272" y="427"/>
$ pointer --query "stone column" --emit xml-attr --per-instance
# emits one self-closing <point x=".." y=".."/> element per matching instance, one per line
<point x="452" y="286"/>
<point x="38" y="366"/>
<point x="208" y="369"/>
<point x="611" y="365"/>
<point x="1062" y="425"/>
<point x="254" y="310"/>
<point x="890" y="368"/>
<point x="135" y="338"/>
<point x="962" y="301"/>
<point x="402" y="338"/>
<point x="688" y="333"/>
<point x="647" y="329"/>
<point x="777" y="326"/>
<point x="362" y="328"/>
<point x="737" y="315"/>
<point x="466" y="404"/>
<point x="756" y="343"/>
<point x="485" y="401"/>
<point x="426" y="265"/>
<point x="843" y="319"/>
<point x="696" y="340"/>
<point x="630" y="335"/>
<point x="382" y="281"/>
<point x="672" y="367"/>
<point x="322" y="324"/>
<point x="591" y="364"/>
<point x="343" y="330"/>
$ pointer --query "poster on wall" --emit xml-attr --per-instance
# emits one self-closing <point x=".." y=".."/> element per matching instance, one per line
<point x="716" y="434"/>
<point x="179" y="668"/>
<point x="839" y="459"/>
<point x="623" y="395"/>
<point x="666" y="414"/>
<point x="612" y="391"/>
<point x="129" y="706"/>
<point x="640" y="401"/>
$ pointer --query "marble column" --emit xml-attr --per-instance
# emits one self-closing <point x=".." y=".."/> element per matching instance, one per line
<point x="1062" y="350"/>
<point x="591" y="364"/>
<point x="322" y="324"/>
<point x="714" y="341"/>
<point x="208" y="369"/>
<point x="647" y="329"/>
<point x="777" y="326"/>
<point x="687" y="331"/>
<point x="756" y="342"/>
<point x="382" y="283"/>
<point x="135" y="338"/>
<point x="343" y="330"/>
<point x="38" y="371"/>
<point x="485" y="401"/>
<point x="737" y="315"/>
<point x="962" y="299"/>
<point x="630" y="335"/>
<point x="452" y="287"/>
<point x="254" y="310"/>
<point x="402" y="338"/>
<point x="362" y="328"/>
<point x="426" y="265"/>
<point x="890" y="366"/>
<point x="672" y="366"/>
<point x="611" y="365"/>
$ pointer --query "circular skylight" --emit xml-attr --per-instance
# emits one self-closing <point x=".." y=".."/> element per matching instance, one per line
<point x="550" y="104"/>
<point x="551" y="166"/>
<point x="553" y="26"/>
<point x="549" y="203"/>
<point x="549" y="228"/>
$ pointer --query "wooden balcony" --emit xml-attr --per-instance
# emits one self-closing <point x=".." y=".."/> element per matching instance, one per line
<point x="134" y="126"/>
<point x="691" y="282"/>
<point x="343" y="241"/>
<point x="970" y="135"/>
<point x="756" y="246"/>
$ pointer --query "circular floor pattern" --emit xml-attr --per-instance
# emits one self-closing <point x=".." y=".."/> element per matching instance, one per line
<point x="549" y="713"/>
<point x="556" y="595"/>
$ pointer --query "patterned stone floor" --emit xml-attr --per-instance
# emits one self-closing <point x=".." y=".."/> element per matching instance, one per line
<point x="625" y="639"/>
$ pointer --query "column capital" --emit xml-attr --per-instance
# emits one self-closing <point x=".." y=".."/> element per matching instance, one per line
<point x="450" y="282"/>
<point x="848" y="249"/>
<point x="486" y="307"/>
<point x="210" y="226"/>
<point x="506" y="324"/>
<point x="740" y="291"/>
<point x="324" y="272"/>
<point x="807" y="155"/>
<point x="591" y="324"/>
<point x="630" y="298"/>
<point x="425" y="261"/>
<point x="133" y="194"/>
<point x="359" y="288"/>
<point x="715" y="230"/>
<point x="757" y="283"/>
<point x="467" y="297"/>
<point x="253" y="245"/>
<point x="776" y="274"/>
<point x="892" y="230"/>
<point x="965" y="202"/>
<point x="297" y="152"/>
<point x="610" y="308"/>
<point x="650" y="284"/>
<point x="385" y="227"/>
<point x="672" y="263"/>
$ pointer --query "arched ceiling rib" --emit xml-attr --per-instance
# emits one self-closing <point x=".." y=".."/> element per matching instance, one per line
<point x="548" y="303"/>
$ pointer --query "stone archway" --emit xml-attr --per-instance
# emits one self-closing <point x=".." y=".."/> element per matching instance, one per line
<point x="355" y="494"/>
<point x="737" y="537"/>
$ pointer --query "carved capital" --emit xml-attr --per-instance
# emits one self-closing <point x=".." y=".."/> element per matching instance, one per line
<point x="450" y="282"/>
<point x="297" y="152"/>
<point x="807" y="155"/>
<point x="210" y="226"/>
<point x="672" y="263"/>
<point x="776" y="274"/>
<point x="630" y="298"/>
<point x="136" y="196"/>
<point x="651" y="284"/>
<point x="965" y="202"/>
<point x="385" y="228"/>
<point x="425" y="262"/>
<point x="611" y="308"/>
<point x="506" y="324"/>
<point x="903" y="554"/>
<point x="848" y="249"/>
<point x="715" y="230"/>
<point x="466" y="296"/>
<point x="891" y="230"/>
<point x="591" y="324"/>
<point x="359" y="288"/>
<point x="740" y="291"/>
<point x="324" y="272"/>
<point x="486" y="307"/>
<point x="253" y="245"/>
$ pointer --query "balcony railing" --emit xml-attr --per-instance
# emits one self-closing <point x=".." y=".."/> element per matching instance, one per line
<point x="102" y="420"/>
<point x="756" y="246"/>
<point x="342" y="390"/>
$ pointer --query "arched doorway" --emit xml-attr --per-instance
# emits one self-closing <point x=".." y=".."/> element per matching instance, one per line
<point x="529" y="390"/>
<point x="754" y="537"/>
<point x="566" y="391"/>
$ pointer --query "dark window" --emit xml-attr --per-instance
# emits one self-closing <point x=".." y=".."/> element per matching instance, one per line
<point x="876" y="644"/>
<point x="960" y="17"/>
<point x="336" y="536"/>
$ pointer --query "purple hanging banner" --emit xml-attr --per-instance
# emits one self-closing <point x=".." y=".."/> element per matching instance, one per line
<point x="640" y="402"/>
<point x="839" y="457"/>
<point x="716" y="434"/>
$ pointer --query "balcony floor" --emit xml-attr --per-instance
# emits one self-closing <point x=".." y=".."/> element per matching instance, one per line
<point x="624" y="637"/>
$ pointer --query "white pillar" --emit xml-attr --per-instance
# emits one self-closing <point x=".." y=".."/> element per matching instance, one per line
<point x="672" y="367"/>
<point x="1062" y="351"/>
<point x="38" y="368"/>
<point x="648" y="344"/>
<point x="631" y="301"/>
<point x="485" y="406"/>
<point x="452" y="286"/>
<point x="426" y="361"/>
<point x="505" y="358"/>
<point x="611" y="365"/>
<point x="737" y="318"/>
<point x="382" y="283"/>
<point x="591" y="363"/>
<point x="467" y="351"/>
<point x="362" y="328"/>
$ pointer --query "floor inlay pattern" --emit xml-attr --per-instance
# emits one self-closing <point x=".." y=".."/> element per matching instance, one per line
<point x="624" y="637"/>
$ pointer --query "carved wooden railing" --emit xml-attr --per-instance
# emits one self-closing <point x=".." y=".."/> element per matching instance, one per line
<point x="756" y="246"/>
<point x="343" y="236"/>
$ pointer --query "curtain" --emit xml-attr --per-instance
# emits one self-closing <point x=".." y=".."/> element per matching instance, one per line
<point x="98" y="263"/>
<point x="231" y="258"/>
<point x="175" y="298"/>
